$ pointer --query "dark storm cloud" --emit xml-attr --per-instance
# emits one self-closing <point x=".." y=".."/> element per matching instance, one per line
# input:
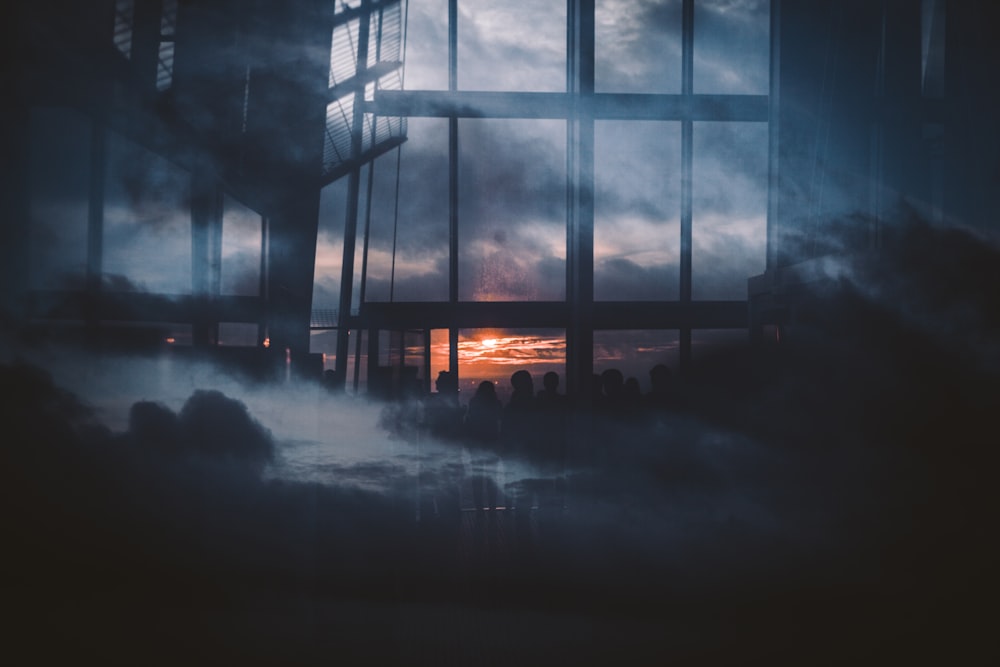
<point x="425" y="286"/>
<point x="638" y="46"/>
<point x="511" y="210"/>
<point x="512" y="171"/>
<point x="621" y="278"/>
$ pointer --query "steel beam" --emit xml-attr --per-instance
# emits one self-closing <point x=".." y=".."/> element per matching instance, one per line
<point x="351" y="216"/>
<point x="687" y="156"/>
<point x="602" y="106"/>
<point x="611" y="315"/>
<point x="453" y="186"/>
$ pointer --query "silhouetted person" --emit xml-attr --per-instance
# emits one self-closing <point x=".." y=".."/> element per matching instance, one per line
<point x="549" y="397"/>
<point x="518" y="429"/>
<point x="632" y="392"/>
<point x="552" y="408"/>
<point x="631" y="398"/>
<point x="482" y="426"/>
<point x="596" y="392"/>
<point x="519" y="413"/>
<point x="443" y="414"/>
<point x="482" y="420"/>
<point x="659" y="400"/>
<point x="613" y="387"/>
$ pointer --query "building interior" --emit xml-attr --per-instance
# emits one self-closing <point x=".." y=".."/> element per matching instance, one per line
<point x="861" y="110"/>
<point x="792" y="205"/>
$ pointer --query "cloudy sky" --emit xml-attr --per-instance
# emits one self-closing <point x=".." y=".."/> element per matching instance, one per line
<point x="512" y="173"/>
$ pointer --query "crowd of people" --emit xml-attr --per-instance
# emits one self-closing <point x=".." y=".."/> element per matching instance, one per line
<point x="533" y="423"/>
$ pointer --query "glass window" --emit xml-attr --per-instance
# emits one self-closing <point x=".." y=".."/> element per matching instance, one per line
<point x="634" y="353"/>
<point x="636" y="210"/>
<point x="238" y="334"/>
<point x="729" y="208"/>
<point x="241" y="246"/>
<point x="512" y="210"/>
<point x="426" y="55"/>
<point x="329" y="249"/>
<point x="147" y="221"/>
<point x="731" y="46"/>
<point x="496" y="354"/>
<point x="503" y="46"/>
<point x="638" y="46"/>
<point x="420" y="226"/>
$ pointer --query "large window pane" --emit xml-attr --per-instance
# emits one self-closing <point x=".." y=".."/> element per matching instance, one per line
<point x="634" y="353"/>
<point x="418" y="228"/>
<point x="241" y="237"/>
<point x="496" y="354"/>
<point x="503" y="46"/>
<point x="638" y="46"/>
<point x="329" y="249"/>
<point x="147" y="221"/>
<point x="729" y="208"/>
<point x="512" y="210"/>
<point x="731" y="46"/>
<point x="426" y="55"/>
<point x="636" y="210"/>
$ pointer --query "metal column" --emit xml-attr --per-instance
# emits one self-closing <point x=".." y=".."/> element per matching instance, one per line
<point x="453" y="188"/>
<point x="580" y="198"/>
<point x="687" y="141"/>
<point x="351" y="218"/>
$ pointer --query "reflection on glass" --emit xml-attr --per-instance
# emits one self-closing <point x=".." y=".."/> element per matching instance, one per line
<point x="418" y="228"/>
<point x="237" y="334"/>
<point x="147" y="222"/>
<point x="512" y="210"/>
<point x="638" y="46"/>
<point x="729" y="208"/>
<point x="426" y="54"/>
<point x="329" y="247"/>
<point x="634" y="353"/>
<point x="731" y="46"/>
<point x="636" y="210"/>
<point x="241" y="237"/>
<point x="503" y="46"/>
<point x="496" y="354"/>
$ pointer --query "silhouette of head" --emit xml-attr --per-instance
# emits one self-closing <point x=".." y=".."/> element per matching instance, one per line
<point x="486" y="391"/>
<point x="521" y="382"/>
<point x="613" y="382"/>
<point x="659" y="377"/>
<point x="445" y="383"/>
<point x="551" y="381"/>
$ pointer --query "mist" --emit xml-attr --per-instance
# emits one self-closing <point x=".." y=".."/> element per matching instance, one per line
<point x="836" y="485"/>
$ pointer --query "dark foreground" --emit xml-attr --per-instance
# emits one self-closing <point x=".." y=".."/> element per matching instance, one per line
<point x="828" y="501"/>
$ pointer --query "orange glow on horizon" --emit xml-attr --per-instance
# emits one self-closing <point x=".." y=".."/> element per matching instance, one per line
<point x="495" y="354"/>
